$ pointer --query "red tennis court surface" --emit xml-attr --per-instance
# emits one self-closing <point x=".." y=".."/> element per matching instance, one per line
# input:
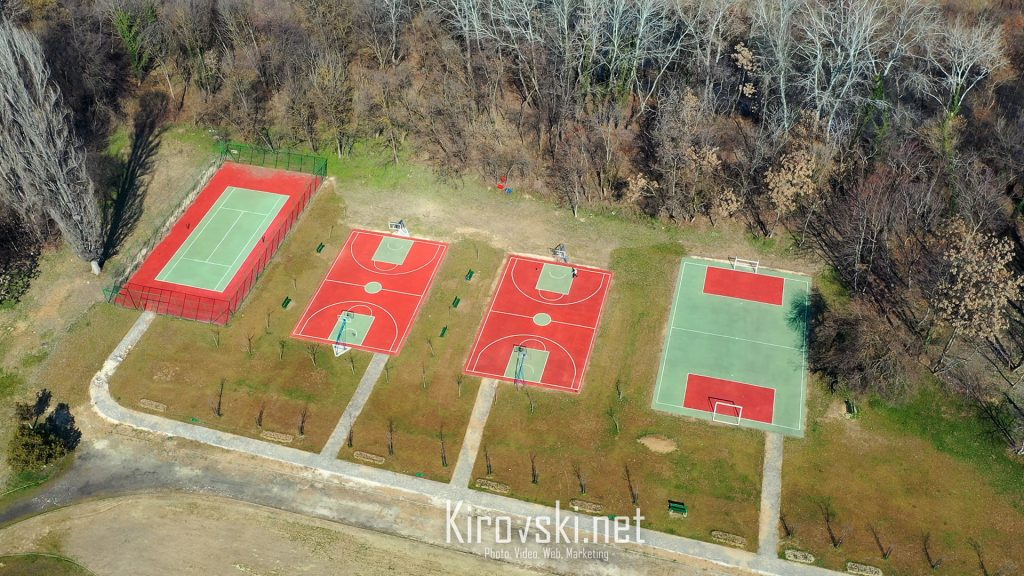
<point x="744" y="285"/>
<point x="144" y="292"/>
<point x="729" y="398"/>
<point x="541" y="325"/>
<point x="381" y="280"/>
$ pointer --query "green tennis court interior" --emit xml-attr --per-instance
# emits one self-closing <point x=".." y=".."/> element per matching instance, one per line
<point x="220" y="243"/>
<point x="735" y="350"/>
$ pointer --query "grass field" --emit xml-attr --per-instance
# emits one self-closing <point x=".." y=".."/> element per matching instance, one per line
<point x="181" y="364"/>
<point x="716" y="470"/>
<point x="424" y="389"/>
<point x="920" y="468"/>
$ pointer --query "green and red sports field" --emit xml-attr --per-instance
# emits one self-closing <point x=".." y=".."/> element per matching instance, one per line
<point x="735" y="349"/>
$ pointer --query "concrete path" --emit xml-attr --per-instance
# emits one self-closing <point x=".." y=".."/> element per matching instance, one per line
<point x="474" y="432"/>
<point x="355" y="406"/>
<point x="771" y="496"/>
<point x="438" y="495"/>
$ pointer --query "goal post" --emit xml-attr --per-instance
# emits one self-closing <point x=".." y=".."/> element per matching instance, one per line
<point x="726" y="412"/>
<point x="740" y="263"/>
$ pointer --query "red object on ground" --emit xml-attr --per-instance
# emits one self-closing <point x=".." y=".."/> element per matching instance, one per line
<point x="702" y="392"/>
<point x="394" y="304"/>
<point x="744" y="285"/>
<point x="144" y="292"/>
<point x="568" y="338"/>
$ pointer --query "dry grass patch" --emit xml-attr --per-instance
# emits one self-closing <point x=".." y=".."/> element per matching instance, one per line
<point x="881" y="470"/>
<point x="269" y="384"/>
<point x="716" y="470"/>
<point x="423" y="389"/>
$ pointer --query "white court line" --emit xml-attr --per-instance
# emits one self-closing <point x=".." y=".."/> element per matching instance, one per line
<point x="261" y="229"/>
<point x="191" y="242"/>
<point x="502" y="376"/>
<point x="553" y="321"/>
<point x="300" y="330"/>
<point x="204" y="261"/>
<point x="735" y="338"/>
<point x="362" y="286"/>
<point x="511" y="267"/>
<point x="439" y="248"/>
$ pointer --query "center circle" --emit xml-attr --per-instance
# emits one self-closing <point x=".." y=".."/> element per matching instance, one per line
<point x="541" y="319"/>
<point x="373" y="287"/>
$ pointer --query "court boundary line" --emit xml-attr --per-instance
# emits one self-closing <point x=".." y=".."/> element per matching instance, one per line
<point x="668" y="345"/>
<point x="440" y="253"/>
<point x="607" y="276"/>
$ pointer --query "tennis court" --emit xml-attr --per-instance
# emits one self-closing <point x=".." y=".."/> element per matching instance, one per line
<point x="216" y="249"/>
<point x="214" y="253"/>
<point x="541" y="325"/>
<point x="373" y="292"/>
<point x="735" y="351"/>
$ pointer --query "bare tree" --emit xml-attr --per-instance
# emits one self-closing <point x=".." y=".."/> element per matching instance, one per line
<point x="391" y="437"/>
<point x="960" y="56"/>
<point x="41" y="164"/>
<point x="933" y="562"/>
<point x="303" y="416"/>
<point x="828" y="514"/>
<point x="577" y="470"/>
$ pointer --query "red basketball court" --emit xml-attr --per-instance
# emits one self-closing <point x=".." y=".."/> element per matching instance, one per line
<point x="372" y="293"/>
<point x="541" y="325"/>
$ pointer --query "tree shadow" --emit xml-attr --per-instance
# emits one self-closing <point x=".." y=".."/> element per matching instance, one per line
<point x="125" y="206"/>
<point x="804" y="316"/>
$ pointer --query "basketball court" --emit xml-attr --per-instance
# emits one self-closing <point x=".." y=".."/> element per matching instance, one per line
<point x="372" y="293"/>
<point x="541" y="325"/>
<point x="735" y="351"/>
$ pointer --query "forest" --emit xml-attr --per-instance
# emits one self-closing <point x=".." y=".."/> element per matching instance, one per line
<point x="883" y="137"/>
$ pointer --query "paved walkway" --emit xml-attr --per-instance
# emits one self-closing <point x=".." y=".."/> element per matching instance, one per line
<point x="474" y="432"/>
<point x="771" y="496"/>
<point x="438" y="494"/>
<point x="355" y="406"/>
